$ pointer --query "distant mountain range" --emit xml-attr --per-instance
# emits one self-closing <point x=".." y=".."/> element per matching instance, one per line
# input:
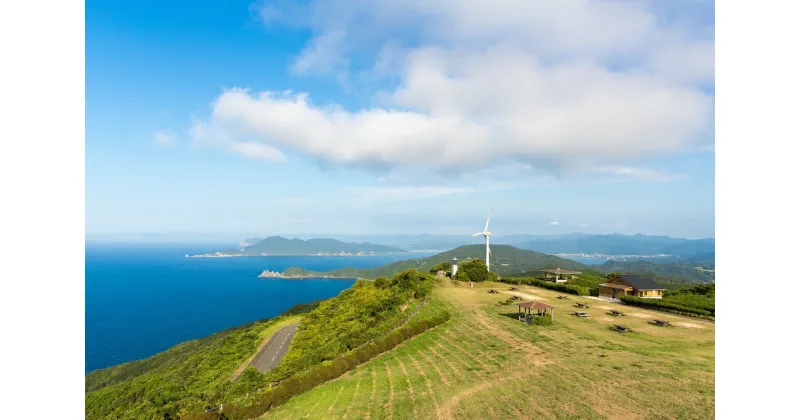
<point x="277" y="245"/>
<point x="576" y="243"/>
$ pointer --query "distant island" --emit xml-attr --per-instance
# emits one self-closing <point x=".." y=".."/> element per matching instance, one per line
<point x="279" y="246"/>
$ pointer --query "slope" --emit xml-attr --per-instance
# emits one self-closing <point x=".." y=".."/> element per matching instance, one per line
<point x="484" y="364"/>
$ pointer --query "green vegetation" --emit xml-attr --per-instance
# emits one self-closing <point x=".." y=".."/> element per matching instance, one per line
<point x="658" y="304"/>
<point x="251" y="407"/>
<point x="692" y="301"/>
<point x="359" y="314"/>
<point x="190" y="376"/>
<point x="474" y="270"/>
<point x="443" y="266"/>
<point x="672" y="272"/>
<point x="561" y="287"/>
<point x="484" y="363"/>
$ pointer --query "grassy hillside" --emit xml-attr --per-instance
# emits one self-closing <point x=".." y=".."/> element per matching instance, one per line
<point x="485" y="364"/>
<point x="189" y="376"/>
<point x="506" y="260"/>
<point x="661" y="272"/>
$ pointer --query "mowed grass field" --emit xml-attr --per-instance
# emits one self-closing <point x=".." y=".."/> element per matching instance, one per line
<point x="484" y="363"/>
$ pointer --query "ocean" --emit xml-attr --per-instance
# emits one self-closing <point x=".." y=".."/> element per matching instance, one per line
<point x="143" y="299"/>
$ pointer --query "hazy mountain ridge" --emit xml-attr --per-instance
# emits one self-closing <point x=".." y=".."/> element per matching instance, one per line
<point x="278" y="245"/>
<point x="573" y="243"/>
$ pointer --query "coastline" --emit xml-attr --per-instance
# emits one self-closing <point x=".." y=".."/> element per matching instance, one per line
<point x="218" y="255"/>
<point x="266" y="274"/>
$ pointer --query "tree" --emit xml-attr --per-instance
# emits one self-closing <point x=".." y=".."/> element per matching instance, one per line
<point x="445" y="266"/>
<point x="475" y="270"/>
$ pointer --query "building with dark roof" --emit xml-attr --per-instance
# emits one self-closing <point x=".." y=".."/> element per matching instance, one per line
<point x="631" y="285"/>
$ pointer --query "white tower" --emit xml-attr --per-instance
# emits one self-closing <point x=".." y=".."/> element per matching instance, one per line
<point x="455" y="268"/>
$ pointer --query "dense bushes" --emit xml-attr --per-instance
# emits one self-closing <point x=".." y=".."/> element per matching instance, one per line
<point x="665" y="306"/>
<point x="369" y="309"/>
<point x="699" y="297"/>
<point x="473" y="270"/>
<point x="275" y="396"/>
<point x="543" y="320"/>
<point x="561" y="287"/>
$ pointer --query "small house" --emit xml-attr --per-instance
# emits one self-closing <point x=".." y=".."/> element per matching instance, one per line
<point x="631" y="285"/>
<point x="558" y="275"/>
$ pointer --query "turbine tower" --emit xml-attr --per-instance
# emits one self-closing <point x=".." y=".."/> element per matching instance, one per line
<point x="486" y="235"/>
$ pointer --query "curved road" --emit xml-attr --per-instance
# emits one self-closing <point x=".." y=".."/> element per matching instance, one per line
<point x="272" y="353"/>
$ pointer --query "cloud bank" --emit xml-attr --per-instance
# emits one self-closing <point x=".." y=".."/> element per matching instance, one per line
<point x="466" y="84"/>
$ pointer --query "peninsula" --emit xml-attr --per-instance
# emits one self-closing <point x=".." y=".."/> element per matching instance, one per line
<point x="279" y="246"/>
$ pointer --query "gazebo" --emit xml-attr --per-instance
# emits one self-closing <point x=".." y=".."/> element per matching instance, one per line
<point x="540" y="308"/>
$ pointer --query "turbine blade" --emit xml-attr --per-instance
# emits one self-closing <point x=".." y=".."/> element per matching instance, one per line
<point x="487" y="221"/>
<point x="477" y="234"/>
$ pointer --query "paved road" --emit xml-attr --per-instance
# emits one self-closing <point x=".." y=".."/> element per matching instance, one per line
<point x="272" y="353"/>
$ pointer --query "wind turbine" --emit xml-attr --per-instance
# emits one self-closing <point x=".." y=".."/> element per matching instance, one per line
<point x="486" y="235"/>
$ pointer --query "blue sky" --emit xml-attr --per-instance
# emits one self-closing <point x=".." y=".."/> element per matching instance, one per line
<point x="232" y="119"/>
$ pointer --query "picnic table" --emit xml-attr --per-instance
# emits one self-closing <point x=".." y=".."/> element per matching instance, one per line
<point x="563" y="297"/>
<point x="581" y="314"/>
<point x="581" y="305"/>
<point x="615" y="313"/>
<point x="492" y="291"/>
<point x="515" y="297"/>
<point x="513" y="289"/>
<point x="661" y="323"/>
<point x="621" y="328"/>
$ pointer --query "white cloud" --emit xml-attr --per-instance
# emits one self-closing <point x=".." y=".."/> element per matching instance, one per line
<point x="554" y="223"/>
<point x="164" y="138"/>
<point x="259" y="151"/>
<point x="553" y="85"/>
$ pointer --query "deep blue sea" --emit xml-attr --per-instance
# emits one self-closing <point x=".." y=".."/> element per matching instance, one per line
<point x="143" y="299"/>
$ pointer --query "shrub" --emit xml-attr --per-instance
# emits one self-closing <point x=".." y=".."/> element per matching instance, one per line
<point x="664" y="306"/>
<point x="561" y="287"/>
<point x="475" y="269"/>
<point x="542" y="320"/>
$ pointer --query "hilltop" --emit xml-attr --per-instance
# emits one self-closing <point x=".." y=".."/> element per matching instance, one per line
<point x="506" y="260"/>
<point x="670" y="272"/>
<point x="277" y="245"/>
